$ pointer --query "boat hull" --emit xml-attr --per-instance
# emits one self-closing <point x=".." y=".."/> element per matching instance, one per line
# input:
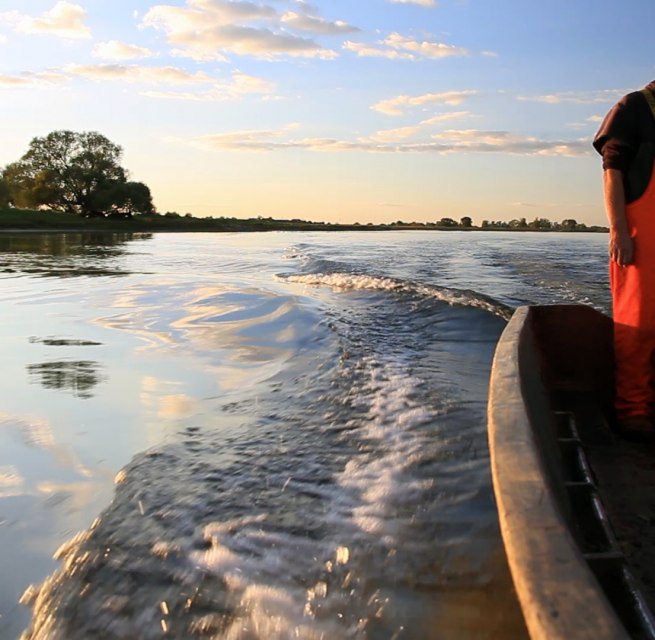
<point x="550" y="398"/>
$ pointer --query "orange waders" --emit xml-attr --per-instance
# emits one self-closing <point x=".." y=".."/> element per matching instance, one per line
<point x="633" y="297"/>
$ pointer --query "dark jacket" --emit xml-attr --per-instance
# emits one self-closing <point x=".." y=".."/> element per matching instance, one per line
<point x="626" y="140"/>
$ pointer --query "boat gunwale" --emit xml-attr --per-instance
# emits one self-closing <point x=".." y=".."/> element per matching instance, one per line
<point x="559" y="594"/>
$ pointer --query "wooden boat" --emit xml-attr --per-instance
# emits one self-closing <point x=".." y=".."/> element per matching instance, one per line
<point x="557" y="470"/>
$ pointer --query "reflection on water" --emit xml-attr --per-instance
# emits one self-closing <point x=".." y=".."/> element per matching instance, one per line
<point x="59" y="454"/>
<point x="78" y="376"/>
<point x="64" y="254"/>
<point x="56" y="245"/>
<point x="64" y="342"/>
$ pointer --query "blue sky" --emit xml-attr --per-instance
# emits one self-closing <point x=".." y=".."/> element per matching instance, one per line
<point x="359" y="110"/>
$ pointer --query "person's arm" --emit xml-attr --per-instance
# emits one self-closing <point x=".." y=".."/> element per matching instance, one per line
<point x="621" y="245"/>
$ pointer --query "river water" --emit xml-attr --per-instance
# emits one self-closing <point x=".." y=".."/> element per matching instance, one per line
<point x="265" y="435"/>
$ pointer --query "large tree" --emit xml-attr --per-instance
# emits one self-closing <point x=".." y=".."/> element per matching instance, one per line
<point x="73" y="172"/>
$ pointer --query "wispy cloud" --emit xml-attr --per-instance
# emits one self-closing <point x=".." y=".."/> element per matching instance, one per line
<point x="214" y="29"/>
<point x="65" y="20"/>
<point x="364" y="50"/>
<point x="396" y="106"/>
<point x="393" y="135"/>
<point x="33" y="80"/>
<point x="577" y="97"/>
<point x="397" y="46"/>
<point x="115" y="50"/>
<point x="413" y="131"/>
<point x="138" y="73"/>
<point x="200" y="86"/>
<point x="445" y="117"/>
<point x="316" y="24"/>
<point x="238" y="86"/>
<point x="421" y="3"/>
<point x="447" y="142"/>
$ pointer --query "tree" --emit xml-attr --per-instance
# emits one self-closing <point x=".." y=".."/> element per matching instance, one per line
<point x="5" y="198"/>
<point x="124" y="199"/>
<point x="75" y="173"/>
<point x="466" y="222"/>
<point x="540" y="223"/>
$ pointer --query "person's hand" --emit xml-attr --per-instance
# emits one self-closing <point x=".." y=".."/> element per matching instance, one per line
<point x="621" y="248"/>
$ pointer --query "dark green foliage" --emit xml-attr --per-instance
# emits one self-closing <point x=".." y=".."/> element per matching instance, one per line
<point x="124" y="199"/>
<point x="4" y="194"/>
<point x="75" y="173"/>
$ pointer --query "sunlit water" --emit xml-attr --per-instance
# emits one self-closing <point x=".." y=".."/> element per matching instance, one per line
<point x="295" y="423"/>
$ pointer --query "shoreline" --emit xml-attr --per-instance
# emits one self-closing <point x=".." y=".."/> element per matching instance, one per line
<point x="23" y="221"/>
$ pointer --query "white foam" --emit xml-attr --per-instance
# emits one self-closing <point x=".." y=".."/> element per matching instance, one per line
<point x="381" y="481"/>
<point x="265" y="571"/>
<point x="346" y="281"/>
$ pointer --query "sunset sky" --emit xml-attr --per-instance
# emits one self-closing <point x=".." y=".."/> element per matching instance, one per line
<point x="333" y="110"/>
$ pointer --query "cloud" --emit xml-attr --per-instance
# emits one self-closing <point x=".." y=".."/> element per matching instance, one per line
<point x="447" y="142"/>
<point x="138" y="73"/>
<point x="240" y="85"/>
<point x="33" y="80"/>
<point x="444" y="117"/>
<point x="213" y="29"/>
<point x="395" y="106"/>
<point x="65" y="20"/>
<point x="403" y="133"/>
<point x="394" y="135"/>
<point x="579" y="97"/>
<point x="371" y="51"/>
<point x="398" y="47"/>
<point x="205" y="86"/>
<point x="255" y="139"/>
<point x="314" y="24"/>
<point x="423" y="49"/>
<point x="421" y="3"/>
<point x="115" y="50"/>
<point x="475" y="140"/>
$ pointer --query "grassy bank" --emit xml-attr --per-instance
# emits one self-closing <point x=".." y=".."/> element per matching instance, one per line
<point x="26" y="220"/>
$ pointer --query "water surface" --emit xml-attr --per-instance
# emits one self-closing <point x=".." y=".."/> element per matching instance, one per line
<point x="295" y="421"/>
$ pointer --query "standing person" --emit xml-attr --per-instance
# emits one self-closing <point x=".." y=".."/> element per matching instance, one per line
<point x="626" y="140"/>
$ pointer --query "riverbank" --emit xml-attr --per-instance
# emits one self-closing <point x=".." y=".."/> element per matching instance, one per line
<point x="52" y="221"/>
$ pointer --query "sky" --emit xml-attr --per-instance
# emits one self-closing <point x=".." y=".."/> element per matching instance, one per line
<point x="333" y="110"/>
